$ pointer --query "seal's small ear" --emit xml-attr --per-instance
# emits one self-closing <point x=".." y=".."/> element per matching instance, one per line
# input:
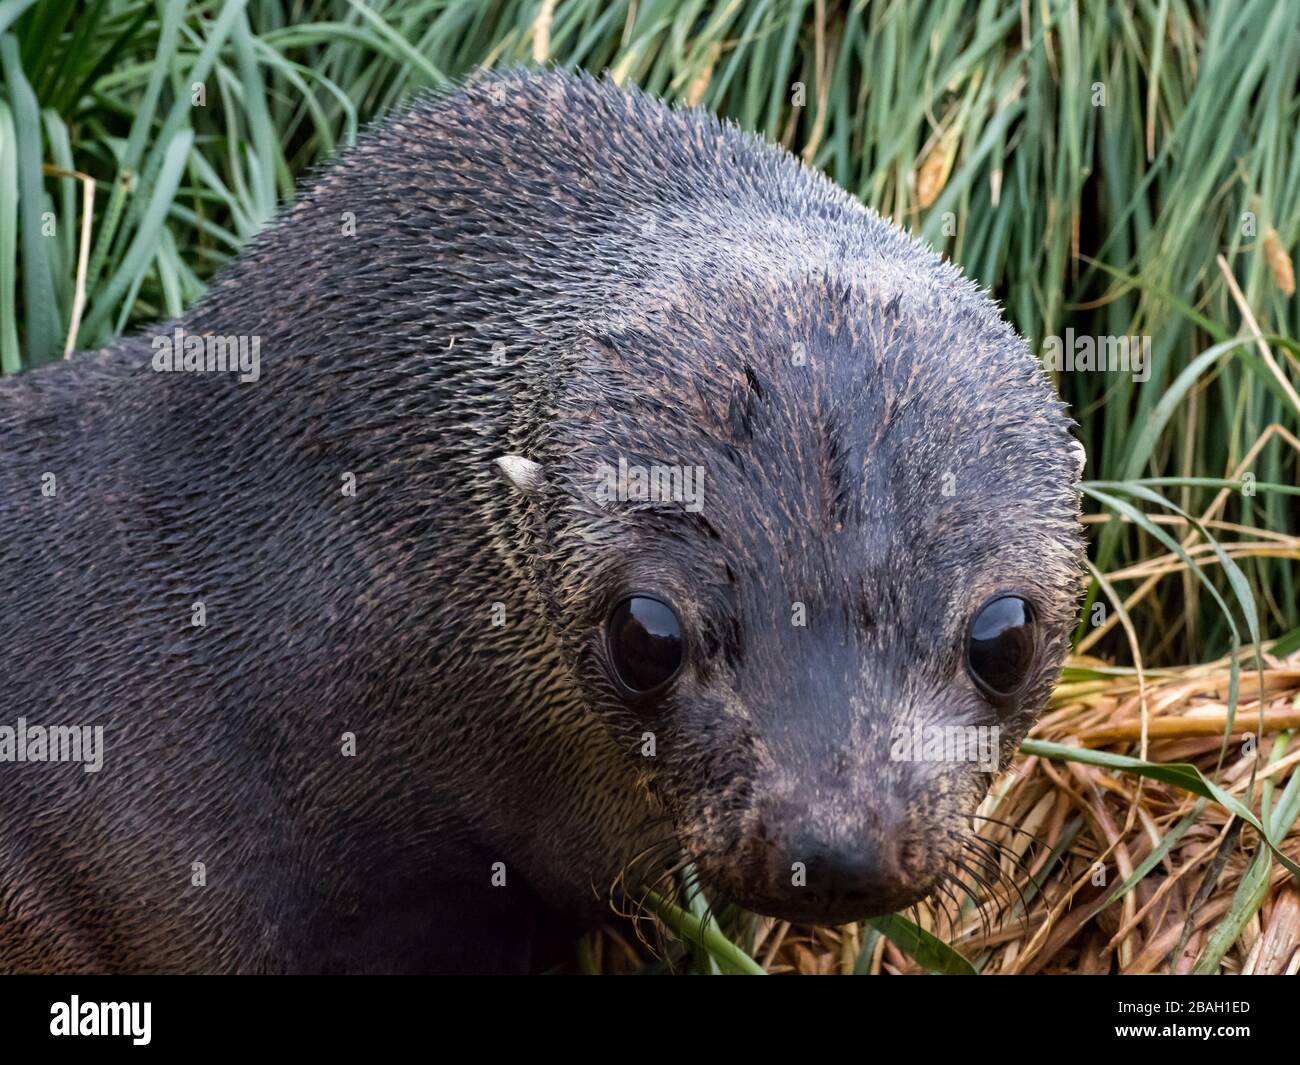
<point x="523" y="475"/>
<point x="1080" y="456"/>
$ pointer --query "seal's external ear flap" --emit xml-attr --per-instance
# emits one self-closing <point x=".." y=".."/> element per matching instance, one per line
<point x="1080" y="456"/>
<point x="523" y="475"/>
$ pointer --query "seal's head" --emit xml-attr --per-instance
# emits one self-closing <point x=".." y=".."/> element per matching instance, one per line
<point x="804" y="515"/>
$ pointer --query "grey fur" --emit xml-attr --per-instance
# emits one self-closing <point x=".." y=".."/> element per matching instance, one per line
<point x="546" y="267"/>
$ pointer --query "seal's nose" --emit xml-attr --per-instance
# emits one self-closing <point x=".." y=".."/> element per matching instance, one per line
<point x="861" y="879"/>
<point x="838" y="876"/>
<point x="834" y="873"/>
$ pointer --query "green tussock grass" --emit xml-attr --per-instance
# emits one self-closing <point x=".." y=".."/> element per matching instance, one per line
<point x="1118" y="169"/>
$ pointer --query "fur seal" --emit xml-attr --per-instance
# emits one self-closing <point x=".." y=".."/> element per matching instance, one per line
<point x="610" y="490"/>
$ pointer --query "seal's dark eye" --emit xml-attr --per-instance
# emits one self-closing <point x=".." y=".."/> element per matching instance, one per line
<point x="645" y="643"/>
<point x="1000" y="648"/>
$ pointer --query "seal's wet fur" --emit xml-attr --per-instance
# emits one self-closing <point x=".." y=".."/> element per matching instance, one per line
<point x="546" y="266"/>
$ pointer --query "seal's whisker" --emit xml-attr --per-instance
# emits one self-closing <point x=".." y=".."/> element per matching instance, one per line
<point x="982" y="904"/>
<point x="941" y="896"/>
<point x="1010" y="827"/>
<point x="1024" y="865"/>
<point x="987" y="854"/>
<point x="1003" y="877"/>
<point x="652" y="855"/>
<point x="996" y="853"/>
<point x="970" y="894"/>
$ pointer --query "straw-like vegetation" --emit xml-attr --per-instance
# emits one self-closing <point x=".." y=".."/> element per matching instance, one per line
<point x="1118" y="169"/>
